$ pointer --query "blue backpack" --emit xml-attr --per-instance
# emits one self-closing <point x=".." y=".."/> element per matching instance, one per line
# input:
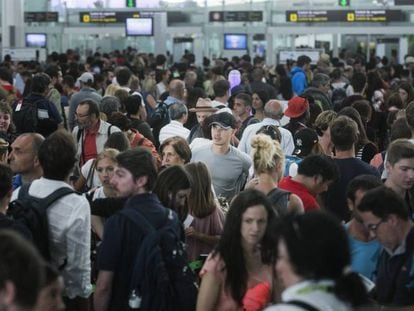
<point x="161" y="278"/>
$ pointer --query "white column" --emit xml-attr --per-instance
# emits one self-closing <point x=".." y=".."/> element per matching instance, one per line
<point x="12" y="23"/>
<point x="160" y="30"/>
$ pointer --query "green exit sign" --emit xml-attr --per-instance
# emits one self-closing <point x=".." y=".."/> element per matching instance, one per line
<point x="344" y="2"/>
<point x="131" y="3"/>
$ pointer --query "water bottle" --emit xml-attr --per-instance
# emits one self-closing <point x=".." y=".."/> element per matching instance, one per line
<point x="134" y="301"/>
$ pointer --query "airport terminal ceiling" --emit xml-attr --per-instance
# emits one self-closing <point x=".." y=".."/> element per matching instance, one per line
<point x="191" y="25"/>
<point x="77" y="4"/>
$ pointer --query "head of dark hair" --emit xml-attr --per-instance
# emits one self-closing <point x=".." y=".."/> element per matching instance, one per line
<point x="344" y="133"/>
<point x="394" y="100"/>
<point x="221" y="87"/>
<point x="123" y="74"/>
<point x="362" y="182"/>
<point x="309" y="240"/>
<point x="52" y="71"/>
<point x="6" y="74"/>
<point x="303" y="60"/>
<point x="180" y="146"/>
<point x="354" y="115"/>
<point x="193" y="94"/>
<point x="40" y="83"/>
<point x="246" y="98"/>
<point x="383" y="202"/>
<point x="160" y="59"/>
<point x="139" y="163"/>
<point x="358" y="81"/>
<point x="93" y="108"/>
<point x="69" y="81"/>
<point x="406" y="86"/>
<point x="20" y="264"/>
<point x="118" y="141"/>
<point x="400" y="149"/>
<point x="169" y="181"/>
<point x="201" y="200"/>
<point x="363" y="107"/>
<point x="409" y="114"/>
<point x="318" y="164"/>
<point x="132" y="104"/>
<point x="6" y="177"/>
<point x="57" y="155"/>
<point x="230" y="245"/>
<point x="263" y="95"/>
<point x="120" y="120"/>
<point x="400" y="129"/>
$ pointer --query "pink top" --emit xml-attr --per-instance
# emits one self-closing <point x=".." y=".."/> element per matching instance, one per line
<point x="210" y="225"/>
<point x="259" y="287"/>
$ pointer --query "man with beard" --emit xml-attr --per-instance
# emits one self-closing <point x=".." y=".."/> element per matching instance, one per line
<point x="91" y="132"/>
<point x="134" y="178"/>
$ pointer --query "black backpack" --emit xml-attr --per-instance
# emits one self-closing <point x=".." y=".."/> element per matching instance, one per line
<point x="159" y="118"/>
<point x="25" y="118"/>
<point x="31" y="212"/>
<point x="161" y="278"/>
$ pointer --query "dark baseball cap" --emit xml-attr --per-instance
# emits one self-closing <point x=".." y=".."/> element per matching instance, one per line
<point x="305" y="139"/>
<point x="223" y="119"/>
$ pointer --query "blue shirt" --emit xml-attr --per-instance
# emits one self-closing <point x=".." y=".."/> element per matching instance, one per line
<point x="364" y="256"/>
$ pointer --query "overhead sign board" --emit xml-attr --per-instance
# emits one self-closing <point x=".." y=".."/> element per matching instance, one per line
<point x="46" y="17"/>
<point x="404" y="2"/>
<point x="109" y="17"/>
<point x="236" y="16"/>
<point x="350" y="16"/>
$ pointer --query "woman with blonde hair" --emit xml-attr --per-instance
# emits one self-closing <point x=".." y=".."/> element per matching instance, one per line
<point x="268" y="162"/>
<point x="206" y="226"/>
<point x="111" y="89"/>
<point x="105" y="165"/>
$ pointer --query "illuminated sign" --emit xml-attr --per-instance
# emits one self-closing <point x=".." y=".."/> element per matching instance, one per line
<point x="344" y="2"/>
<point x="107" y="17"/>
<point x="350" y="16"/>
<point x="236" y="16"/>
<point x="46" y="17"/>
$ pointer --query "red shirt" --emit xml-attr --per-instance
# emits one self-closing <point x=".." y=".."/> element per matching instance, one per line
<point x="89" y="144"/>
<point x="308" y="199"/>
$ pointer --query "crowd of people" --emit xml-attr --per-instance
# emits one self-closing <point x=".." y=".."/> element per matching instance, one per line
<point x="286" y="187"/>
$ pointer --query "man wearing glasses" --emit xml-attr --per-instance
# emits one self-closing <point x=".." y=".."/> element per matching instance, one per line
<point x="91" y="132"/>
<point x="386" y="217"/>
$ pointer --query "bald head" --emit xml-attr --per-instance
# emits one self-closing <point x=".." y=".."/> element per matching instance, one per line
<point x="273" y="109"/>
<point x="177" y="89"/>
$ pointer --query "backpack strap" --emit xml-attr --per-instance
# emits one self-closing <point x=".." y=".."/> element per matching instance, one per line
<point x="47" y="201"/>
<point x="144" y="223"/>
<point x="109" y="130"/>
<point x="91" y="173"/>
<point x="79" y="137"/>
<point x="302" y="304"/>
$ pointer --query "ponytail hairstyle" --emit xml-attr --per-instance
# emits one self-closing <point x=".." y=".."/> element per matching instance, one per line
<point x="267" y="155"/>
<point x="318" y="249"/>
